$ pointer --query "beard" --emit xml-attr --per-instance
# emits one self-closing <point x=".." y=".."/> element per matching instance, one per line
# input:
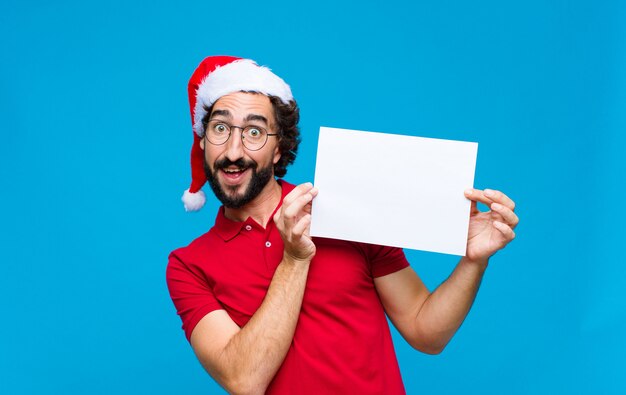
<point x="258" y="181"/>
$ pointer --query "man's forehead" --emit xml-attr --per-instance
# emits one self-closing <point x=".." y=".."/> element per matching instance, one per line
<point x="247" y="106"/>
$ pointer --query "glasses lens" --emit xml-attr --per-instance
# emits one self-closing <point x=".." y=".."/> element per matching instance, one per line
<point x="218" y="132"/>
<point x="254" y="137"/>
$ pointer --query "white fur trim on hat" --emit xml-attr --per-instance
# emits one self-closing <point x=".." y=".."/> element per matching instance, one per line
<point x="193" y="201"/>
<point x="240" y="75"/>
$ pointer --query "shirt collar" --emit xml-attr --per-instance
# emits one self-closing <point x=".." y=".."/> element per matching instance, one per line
<point x="227" y="229"/>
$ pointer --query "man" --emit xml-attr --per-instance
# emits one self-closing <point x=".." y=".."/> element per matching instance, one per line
<point x="268" y="309"/>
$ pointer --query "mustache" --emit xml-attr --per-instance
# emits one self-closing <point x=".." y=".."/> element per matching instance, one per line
<point x="240" y="163"/>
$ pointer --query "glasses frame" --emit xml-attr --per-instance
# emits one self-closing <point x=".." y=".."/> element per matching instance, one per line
<point x="230" y="132"/>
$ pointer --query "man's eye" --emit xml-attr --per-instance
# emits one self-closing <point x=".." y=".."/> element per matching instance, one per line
<point x="220" y="128"/>
<point x="253" y="132"/>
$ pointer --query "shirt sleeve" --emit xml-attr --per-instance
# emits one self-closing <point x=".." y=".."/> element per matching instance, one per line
<point x="192" y="296"/>
<point x="385" y="260"/>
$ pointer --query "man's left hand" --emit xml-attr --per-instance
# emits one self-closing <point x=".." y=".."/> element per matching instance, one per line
<point x="492" y="230"/>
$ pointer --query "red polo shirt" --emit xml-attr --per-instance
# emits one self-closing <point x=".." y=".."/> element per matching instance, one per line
<point x="342" y="343"/>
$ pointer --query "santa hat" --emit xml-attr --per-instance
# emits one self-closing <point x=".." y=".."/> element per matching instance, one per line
<point x="217" y="76"/>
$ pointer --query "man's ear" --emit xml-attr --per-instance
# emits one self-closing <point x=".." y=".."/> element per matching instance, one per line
<point x="202" y="143"/>
<point x="276" y="155"/>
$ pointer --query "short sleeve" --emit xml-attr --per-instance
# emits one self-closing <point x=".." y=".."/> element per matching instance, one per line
<point x="192" y="296"/>
<point x="385" y="260"/>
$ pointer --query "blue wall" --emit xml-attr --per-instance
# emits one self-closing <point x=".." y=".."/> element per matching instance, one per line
<point x="94" y="156"/>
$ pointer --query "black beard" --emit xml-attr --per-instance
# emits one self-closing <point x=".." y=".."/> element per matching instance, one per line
<point x="258" y="181"/>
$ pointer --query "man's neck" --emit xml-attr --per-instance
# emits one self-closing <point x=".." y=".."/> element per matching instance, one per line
<point x="260" y="208"/>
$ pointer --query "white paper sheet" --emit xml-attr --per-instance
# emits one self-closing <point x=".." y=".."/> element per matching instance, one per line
<point x="393" y="190"/>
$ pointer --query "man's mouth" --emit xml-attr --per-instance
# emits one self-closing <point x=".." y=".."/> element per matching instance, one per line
<point x="238" y="170"/>
<point x="234" y="174"/>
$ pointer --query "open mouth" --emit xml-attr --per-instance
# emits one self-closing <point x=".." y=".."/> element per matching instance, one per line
<point x="234" y="174"/>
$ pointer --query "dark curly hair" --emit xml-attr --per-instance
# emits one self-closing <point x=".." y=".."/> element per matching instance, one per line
<point x="287" y="117"/>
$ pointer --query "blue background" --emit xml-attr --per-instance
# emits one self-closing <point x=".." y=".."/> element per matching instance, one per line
<point x="94" y="157"/>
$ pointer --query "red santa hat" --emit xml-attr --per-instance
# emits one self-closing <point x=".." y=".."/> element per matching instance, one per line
<point x="217" y="76"/>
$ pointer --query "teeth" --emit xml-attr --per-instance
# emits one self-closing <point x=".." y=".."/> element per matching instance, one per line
<point x="232" y="170"/>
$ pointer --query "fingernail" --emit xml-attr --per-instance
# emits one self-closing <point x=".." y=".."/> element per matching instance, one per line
<point x="496" y="206"/>
<point x="488" y="192"/>
<point x="468" y="191"/>
<point x="314" y="190"/>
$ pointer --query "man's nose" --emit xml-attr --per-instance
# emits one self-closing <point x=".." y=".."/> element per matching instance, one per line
<point x="234" y="146"/>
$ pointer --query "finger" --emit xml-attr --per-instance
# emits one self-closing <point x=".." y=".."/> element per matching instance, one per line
<point x="506" y="230"/>
<point x="308" y="208"/>
<point x="297" y="206"/>
<point x="477" y="195"/>
<point x="277" y="217"/>
<point x="288" y="212"/>
<point x="297" y="192"/>
<point x="499" y="197"/>
<point x="302" y="226"/>
<point x="474" y="208"/>
<point x="507" y="214"/>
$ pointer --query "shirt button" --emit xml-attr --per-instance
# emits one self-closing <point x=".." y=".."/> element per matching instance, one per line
<point x="248" y="227"/>
<point x="268" y="244"/>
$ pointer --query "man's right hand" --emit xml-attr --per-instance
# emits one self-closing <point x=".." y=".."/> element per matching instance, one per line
<point x="245" y="360"/>
<point x="293" y="221"/>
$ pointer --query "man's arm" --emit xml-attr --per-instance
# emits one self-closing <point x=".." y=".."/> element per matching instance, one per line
<point x="429" y="320"/>
<point x="245" y="360"/>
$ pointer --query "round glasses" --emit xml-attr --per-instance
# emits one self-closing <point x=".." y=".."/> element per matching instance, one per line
<point x="253" y="137"/>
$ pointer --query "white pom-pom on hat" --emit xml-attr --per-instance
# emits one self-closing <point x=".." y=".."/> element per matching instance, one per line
<point x="193" y="201"/>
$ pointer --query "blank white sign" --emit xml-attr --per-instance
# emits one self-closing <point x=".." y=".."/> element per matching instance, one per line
<point x="394" y="190"/>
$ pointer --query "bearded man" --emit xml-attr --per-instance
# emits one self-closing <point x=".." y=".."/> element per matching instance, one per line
<point x="269" y="309"/>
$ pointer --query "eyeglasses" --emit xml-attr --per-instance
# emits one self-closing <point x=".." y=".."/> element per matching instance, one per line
<point x="253" y="137"/>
